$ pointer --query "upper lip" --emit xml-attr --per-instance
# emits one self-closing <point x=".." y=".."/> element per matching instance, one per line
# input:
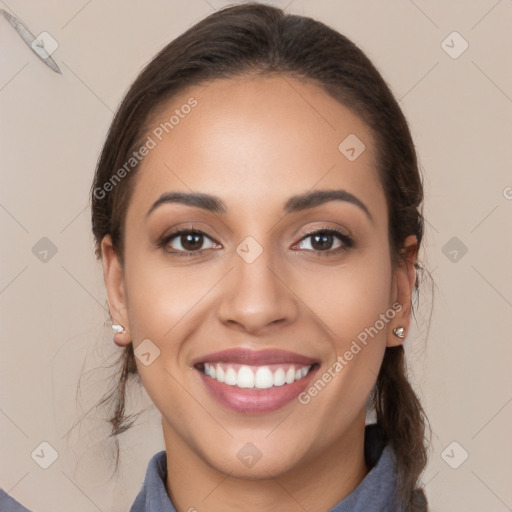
<point x="254" y="357"/>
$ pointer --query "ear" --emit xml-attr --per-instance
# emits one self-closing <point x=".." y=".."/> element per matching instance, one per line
<point x="114" y="283"/>
<point x="404" y="278"/>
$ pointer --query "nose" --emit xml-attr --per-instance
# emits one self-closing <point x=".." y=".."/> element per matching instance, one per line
<point x="256" y="296"/>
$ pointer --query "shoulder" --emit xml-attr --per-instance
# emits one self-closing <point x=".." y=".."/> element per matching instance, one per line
<point x="153" y="494"/>
<point x="381" y="458"/>
<point x="9" y="504"/>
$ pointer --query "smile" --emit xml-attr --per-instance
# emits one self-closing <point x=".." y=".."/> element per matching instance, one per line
<point x="259" y="377"/>
<point x="255" y="381"/>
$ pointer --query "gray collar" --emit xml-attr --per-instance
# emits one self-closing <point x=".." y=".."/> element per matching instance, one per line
<point x="376" y="493"/>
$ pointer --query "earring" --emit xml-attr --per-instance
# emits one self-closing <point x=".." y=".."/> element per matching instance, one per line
<point x="118" y="328"/>
<point x="399" y="332"/>
<point x="121" y="337"/>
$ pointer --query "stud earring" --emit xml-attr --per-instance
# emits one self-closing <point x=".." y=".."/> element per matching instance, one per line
<point x="399" y="332"/>
<point x="121" y="337"/>
<point x="118" y="328"/>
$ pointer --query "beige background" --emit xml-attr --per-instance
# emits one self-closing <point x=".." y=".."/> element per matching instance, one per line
<point x="53" y="312"/>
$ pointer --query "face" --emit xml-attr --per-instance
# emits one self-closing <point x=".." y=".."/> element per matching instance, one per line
<point x="281" y="279"/>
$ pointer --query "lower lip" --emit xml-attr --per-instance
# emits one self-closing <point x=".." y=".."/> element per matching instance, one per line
<point x="251" y="400"/>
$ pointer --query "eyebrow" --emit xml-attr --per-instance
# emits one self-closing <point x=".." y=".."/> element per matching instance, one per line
<point x="294" y="204"/>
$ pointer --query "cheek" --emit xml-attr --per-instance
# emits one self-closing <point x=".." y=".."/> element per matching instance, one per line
<point x="350" y="298"/>
<point x="163" y="306"/>
<point x="354" y="303"/>
<point x="161" y="297"/>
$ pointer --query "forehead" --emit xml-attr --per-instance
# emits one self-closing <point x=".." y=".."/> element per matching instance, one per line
<point x="256" y="141"/>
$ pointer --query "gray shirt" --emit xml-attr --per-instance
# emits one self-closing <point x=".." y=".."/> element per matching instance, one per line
<point x="376" y="493"/>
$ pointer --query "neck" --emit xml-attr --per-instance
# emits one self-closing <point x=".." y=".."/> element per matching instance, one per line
<point x="315" y="484"/>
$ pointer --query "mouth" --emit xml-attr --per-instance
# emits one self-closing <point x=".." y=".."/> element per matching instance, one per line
<point x="255" y="381"/>
<point x="243" y="376"/>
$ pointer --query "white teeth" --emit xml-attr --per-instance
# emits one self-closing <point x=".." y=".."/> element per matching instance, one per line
<point x="279" y="377"/>
<point x="220" y="374"/>
<point x="230" y="377"/>
<point x="290" y="375"/>
<point x="246" y="377"/>
<point x="264" y="378"/>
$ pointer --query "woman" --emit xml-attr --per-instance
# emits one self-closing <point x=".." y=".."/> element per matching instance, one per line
<point x="257" y="210"/>
<point x="256" y="207"/>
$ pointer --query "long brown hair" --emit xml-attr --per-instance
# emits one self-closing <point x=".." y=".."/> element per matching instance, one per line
<point x="257" y="39"/>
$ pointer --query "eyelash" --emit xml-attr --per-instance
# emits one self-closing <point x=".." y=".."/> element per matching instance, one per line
<point x="346" y="240"/>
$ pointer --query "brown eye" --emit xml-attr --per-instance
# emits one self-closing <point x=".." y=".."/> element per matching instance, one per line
<point x="191" y="241"/>
<point x="322" y="241"/>
<point x="184" y="242"/>
<point x="329" y="241"/>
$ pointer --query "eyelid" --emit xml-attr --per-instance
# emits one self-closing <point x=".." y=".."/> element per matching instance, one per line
<point x="166" y="239"/>
<point x="345" y="238"/>
<point x="194" y="226"/>
<point x="338" y="229"/>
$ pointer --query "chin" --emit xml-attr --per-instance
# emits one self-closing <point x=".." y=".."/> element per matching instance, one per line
<point x="266" y="467"/>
